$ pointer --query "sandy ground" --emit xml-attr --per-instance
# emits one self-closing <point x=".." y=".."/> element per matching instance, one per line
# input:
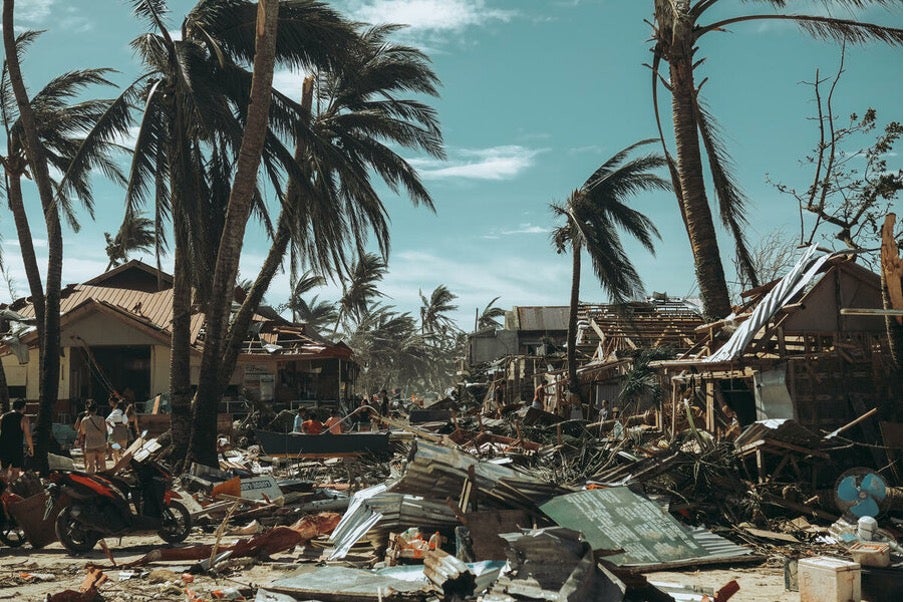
<point x="29" y="575"/>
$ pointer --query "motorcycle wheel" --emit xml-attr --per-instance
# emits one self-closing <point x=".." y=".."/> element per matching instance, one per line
<point x="175" y="525"/>
<point x="12" y="536"/>
<point x="73" y="535"/>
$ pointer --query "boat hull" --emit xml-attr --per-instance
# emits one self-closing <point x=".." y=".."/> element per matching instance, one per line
<point x="325" y="445"/>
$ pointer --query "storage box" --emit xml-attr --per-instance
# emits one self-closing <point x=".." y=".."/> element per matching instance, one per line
<point x="824" y="579"/>
<point x="871" y="553"/>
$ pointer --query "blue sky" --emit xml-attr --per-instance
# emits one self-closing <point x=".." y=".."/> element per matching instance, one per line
<point x="535" y="95"/>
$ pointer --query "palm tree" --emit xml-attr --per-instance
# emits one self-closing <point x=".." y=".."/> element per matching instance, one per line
<point x="360" y="290"/>
<point x="302" y="285"/>
<point x="677" y="29"/>
<point x="316" y="314"/>
<point x="194" y="101"/>
<point x="327" y="214"/>
<point x="489" y="317"/>
<point x="390" y="347"/>
<point x="434" y="320"/>
<point x="48" y="130"/>
<point x="594" y="214"/>
<point x="136" y="233"/>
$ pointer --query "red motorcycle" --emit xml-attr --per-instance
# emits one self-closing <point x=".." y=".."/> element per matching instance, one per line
<point x="103" y="505"/>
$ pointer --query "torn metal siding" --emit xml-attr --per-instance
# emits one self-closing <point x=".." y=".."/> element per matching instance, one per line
<point x="617" y="518"/>
<point x="439" y="472"/>
<point x="540" y="319"/>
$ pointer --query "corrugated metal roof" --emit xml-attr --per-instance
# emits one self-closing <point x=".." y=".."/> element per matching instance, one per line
<point x="541" y="318"/>
<point x="155" y="310"/>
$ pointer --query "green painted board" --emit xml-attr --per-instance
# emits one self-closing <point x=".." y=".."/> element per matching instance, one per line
<point x="618" y="518"/>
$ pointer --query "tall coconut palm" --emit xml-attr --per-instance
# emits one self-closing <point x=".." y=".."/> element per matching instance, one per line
<point x="489" y="317"/>
<point x="593" y="216"/>
<point x="434" y="318"/>
<point x="678" y="27"/>
<point x="137" y="233"/>
<point x="194" y="99"/>
<point x="316" y="314"/>
<point x="47" y="131"/>
<point x="390" y="347"/>
<point x="360" y="290"/>
<point x="363" y="113"/>
<point x="301" y="285"/>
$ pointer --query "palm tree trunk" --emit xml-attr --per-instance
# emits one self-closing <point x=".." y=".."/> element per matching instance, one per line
<point x="281" y="239"/>
<point x="573" y="385"/>
<point x="204" y="434"/>
<point x="180" y="348"/>
<point x="242" y="319"/>
<point x="50" y="342"/>
<point x="27" y="249"/>
<point x="698" y="217"/>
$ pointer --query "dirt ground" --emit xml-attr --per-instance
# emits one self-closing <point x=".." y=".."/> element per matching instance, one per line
<point x="30" y="575"/>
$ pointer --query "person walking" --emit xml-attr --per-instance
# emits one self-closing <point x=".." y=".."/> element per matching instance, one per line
<point x="132" y="422"/>
<point x="119" y="428"/>
<point x="93" y="431"/>
<point x="15" y="433"/>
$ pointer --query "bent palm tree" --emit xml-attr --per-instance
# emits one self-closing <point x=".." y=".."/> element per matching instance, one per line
<point x="136" y="233"/>
<point x="360" y="290"/>
<point x="489" y="317"/>
<point x="46" y="131"/>
<point x="594" y="214"/>
<point x="433" y="311"/>
<point x="194" y="99"/>
<point x="677" y="28"/>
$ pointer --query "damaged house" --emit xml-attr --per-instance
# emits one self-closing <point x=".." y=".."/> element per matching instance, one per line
<point x="530" y="349"/>
<point x="813" y="347"/>
<point x="514" y="357"/>
<point x="116" y="337"/>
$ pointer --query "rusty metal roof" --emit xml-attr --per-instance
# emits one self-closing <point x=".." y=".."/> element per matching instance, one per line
<point x="154" y="310"/>
<point x="545" y="319"/>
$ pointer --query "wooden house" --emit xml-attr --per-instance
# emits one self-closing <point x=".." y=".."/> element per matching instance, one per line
<point x="116" y="331"/>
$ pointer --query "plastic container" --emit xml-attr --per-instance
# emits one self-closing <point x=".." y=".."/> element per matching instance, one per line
<point x="871" y="553"/>
<point x="824" y="579"/>
<point x="867" y="528"/>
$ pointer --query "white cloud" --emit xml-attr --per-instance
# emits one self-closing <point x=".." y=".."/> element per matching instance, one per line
<point x="289" y="82"/>
<point x="38" y="243"/>
<point x="494" y="163"/>
<point x="496" y="233"/>
<point x="33" y="11"/>
<point x="477" y="281"/>
<point x="428" y="15"/>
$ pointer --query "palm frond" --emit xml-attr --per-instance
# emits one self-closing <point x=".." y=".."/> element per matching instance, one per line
<point x="824" y="28"/>
<point x="731" y="200"/>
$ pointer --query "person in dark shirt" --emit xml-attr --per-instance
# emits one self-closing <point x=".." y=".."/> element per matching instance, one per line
<point x="15" y="430"/>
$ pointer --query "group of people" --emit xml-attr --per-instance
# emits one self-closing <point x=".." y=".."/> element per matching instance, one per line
<point x="306" y="422"/>
<point x="100" y="437"/>
<point x="96" y="436"/>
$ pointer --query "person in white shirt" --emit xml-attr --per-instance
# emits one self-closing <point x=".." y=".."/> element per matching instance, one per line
<point x="118" y="427"/>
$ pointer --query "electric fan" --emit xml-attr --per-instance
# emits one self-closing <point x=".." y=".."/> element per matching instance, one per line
<point x="860" y="492"/>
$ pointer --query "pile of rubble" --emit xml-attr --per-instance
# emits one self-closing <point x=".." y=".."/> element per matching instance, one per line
<point x="522" y="506"/>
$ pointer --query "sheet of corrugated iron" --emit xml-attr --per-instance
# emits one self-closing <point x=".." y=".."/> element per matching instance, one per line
<point x="439" y="472"/>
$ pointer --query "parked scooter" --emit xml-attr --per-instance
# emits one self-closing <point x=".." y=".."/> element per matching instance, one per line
<point x="103" y="505"/>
